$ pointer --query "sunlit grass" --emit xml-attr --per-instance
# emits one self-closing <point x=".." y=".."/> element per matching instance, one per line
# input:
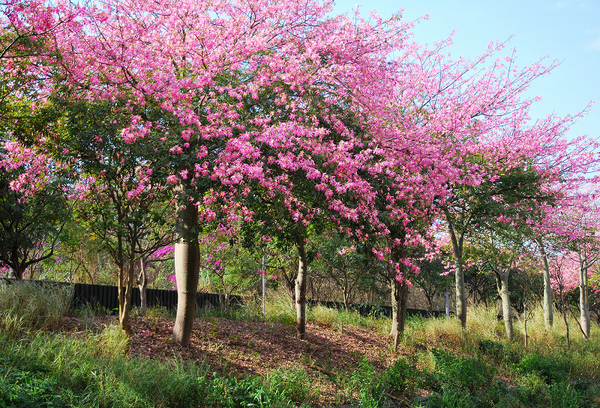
<point x="33" y="305"/>
<point x="476" y="366"/>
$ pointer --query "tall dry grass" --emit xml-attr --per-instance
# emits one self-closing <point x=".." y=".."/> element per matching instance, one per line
<point x="33" y="305"/>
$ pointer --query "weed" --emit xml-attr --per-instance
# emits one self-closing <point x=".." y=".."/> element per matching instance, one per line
<point x="462" y="372"/>
<point x="549" y="369"/>
<point x="450" y="397"/>
<point x="290" y="384"/>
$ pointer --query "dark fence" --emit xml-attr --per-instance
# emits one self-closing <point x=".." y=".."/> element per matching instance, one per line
<point x="107" y="297"/>
<point x="375" y="309"/>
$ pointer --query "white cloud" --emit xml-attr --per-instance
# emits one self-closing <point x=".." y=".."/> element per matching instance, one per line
<point x="559" y="5"/>
<point x="594" y="45"/>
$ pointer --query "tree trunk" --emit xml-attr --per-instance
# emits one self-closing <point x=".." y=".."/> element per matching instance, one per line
<point x="502" y="282"/>
<point x="125" y="283"/>
<point x="459" y="274"/>
<point x="584" y="308"/>
<point x="187" y="269"/>
<point x="143" y="286"/>
<point x="548" y="305"/>
<point x="125" y="290"/>
<point x="399" y="301"/>
<point x="564" y="310"/>
<point x="447" y="303"/>
<point x="301" y="292"/>
<point x="461" y="293"/>
<point x="18" y="272"/>
<point x="346" y="292"/>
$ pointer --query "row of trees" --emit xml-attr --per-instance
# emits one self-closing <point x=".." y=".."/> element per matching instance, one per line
<point x="272" y="123"/>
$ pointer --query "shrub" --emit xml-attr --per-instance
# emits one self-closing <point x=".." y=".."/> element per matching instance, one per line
<point x="461" y="372"/>
<point x="20" y="388"/>
<point x="451" y="398"/>
<point x="551" y="370"/>
<point x="290" y="384"/>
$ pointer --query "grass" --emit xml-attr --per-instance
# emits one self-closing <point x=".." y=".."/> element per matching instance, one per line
<point x="37" y="306"/>
<point x="439" y="364"/>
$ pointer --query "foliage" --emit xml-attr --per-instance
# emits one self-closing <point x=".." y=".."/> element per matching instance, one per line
<point x="551" y="371"/>
<point x="460" y="372"/>
<point x="225" y="266"/>
<point x="31" y="221"/>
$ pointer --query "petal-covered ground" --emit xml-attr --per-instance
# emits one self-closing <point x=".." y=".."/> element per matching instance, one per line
<point x="242" y="348"/>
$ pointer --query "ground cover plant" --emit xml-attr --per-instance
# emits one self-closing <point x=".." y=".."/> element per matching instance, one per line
<point x="242" y="358"/>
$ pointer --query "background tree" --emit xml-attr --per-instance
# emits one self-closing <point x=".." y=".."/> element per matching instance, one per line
<point x="340" y="261"/>
<point x="33" y="209"/>
<point x="123" y="205"/>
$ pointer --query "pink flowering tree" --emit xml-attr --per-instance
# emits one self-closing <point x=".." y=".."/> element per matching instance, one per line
<point x="220" y="76"/>
<point x="32" y="203"/>
<point x="585" y="248"/>
<point x="564" y="270"/>
<point x="152" y="257"/>
<point x="495" y="150"/>
<point x="33" y="209"/>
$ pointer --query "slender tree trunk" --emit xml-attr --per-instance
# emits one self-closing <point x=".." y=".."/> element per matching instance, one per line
<point x="447" y="303"/>
<point x="399" y="301"/>
<point x="461" y="293"/>
<point x="346" y="297"/>
<point x="459" y="274"/>
<point x="187" y="271"/>
<point x="564" y="310"/>
<point x="143" y="286"/>
<point x="584" y="309"/>
<point x="301" y="291"/>
<point x="548" y="304"/>
<point x="502" y="282"/>
<point x="124" y="292"/>
<point x="525" y="325"/>
<point x="125" y="283"/>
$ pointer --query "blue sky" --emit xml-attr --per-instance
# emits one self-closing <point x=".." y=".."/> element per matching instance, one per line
<point x="567" y="31"/>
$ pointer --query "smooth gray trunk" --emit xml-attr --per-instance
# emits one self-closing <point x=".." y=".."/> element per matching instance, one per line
<point x="459" y="274"/>
<point x="548" y="304"/>
<point x="502" y="282"/>
<point x="584" y="309"/>
<point x="187" y="270"/>
<point x="300" y="292"/>
<point x="461" y="293"/>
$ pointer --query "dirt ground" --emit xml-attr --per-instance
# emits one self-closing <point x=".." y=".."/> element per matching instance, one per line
<point x="240" y="348"/>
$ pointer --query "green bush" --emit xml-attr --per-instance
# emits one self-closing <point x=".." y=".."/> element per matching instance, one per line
<point x="492" y="349"/>
<point x="461" y="372"/>
<point x="451" y="397"/>
<point x="290" y="384"/>
<point x="368" y="386"/>
<point x="22" y="389"/>
<point x="551" y="370"/>
<point x="400" y="377"/>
